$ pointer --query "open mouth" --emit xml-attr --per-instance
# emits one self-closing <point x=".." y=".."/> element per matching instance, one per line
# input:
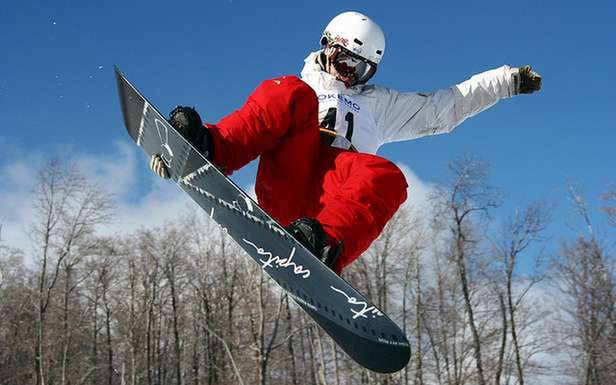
<point x="351" y="68"/>
<point x="345" y="70"/>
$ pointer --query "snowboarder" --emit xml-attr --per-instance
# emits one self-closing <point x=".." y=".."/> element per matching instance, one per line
<point x="318" y="136"/>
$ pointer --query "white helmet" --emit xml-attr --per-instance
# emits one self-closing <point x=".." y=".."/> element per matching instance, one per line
<point x="358" y="36"/>
<point x="358" y="33"/>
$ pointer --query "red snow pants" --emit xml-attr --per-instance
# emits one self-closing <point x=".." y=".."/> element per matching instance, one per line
<point x="351" y="194"/>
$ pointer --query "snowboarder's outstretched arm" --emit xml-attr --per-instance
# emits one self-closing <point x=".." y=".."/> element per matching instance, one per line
<point x="405" y="116"/>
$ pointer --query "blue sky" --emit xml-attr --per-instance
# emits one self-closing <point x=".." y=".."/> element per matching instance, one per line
<point x="58" y="95"/>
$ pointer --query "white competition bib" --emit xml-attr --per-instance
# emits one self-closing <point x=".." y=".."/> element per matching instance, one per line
<point x="347" y="120"/>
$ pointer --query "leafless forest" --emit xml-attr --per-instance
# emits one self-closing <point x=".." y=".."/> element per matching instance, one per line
<point x="478" y="295"/>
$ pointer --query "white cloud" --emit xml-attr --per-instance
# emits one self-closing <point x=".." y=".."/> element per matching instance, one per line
<point x="419" y="191"/>
<point x="15" y="202"/>
<point x="545" y="299"/>
<point x="117" y="172"/>
<point x="162" y="203"/>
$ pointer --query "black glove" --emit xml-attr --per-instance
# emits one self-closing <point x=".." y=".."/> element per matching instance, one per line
<point x="528" y="81"/>
<point x="188" y="123"/>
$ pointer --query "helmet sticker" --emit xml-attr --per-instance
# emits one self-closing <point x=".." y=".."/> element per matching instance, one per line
<point x="341" y="40"/>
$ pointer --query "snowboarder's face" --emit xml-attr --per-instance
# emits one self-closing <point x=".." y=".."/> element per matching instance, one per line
<point x="347" y="67"/>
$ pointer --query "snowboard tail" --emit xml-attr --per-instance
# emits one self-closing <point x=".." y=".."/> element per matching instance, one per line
<point x="365" y="333"/>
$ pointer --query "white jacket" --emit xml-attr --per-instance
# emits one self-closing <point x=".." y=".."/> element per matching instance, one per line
<point x="369" y="116"/>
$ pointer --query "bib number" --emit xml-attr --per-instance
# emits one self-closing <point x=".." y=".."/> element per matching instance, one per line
<point x="329" y="122"/>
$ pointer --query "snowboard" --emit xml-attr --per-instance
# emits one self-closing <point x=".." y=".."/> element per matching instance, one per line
<point x="359" y="328"/>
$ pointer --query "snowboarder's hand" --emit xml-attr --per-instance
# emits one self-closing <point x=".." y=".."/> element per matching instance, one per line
<point x="187" y="121"/>
<point x="158" y="166"/>
<point x="528" y="80"/>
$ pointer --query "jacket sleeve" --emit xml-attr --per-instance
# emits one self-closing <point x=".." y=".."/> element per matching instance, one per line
<point x="405" y="116"/>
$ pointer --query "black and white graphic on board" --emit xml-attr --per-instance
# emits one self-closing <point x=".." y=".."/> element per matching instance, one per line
<point x="366" y="334"/>
<point x="163" y="134"/>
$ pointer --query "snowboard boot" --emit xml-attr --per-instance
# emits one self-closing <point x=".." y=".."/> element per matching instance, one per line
<point x="188" y="123"/>
<point x="310" y="233"/>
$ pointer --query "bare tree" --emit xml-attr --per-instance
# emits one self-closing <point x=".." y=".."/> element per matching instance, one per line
<point x="443" y="322"/>
<point x="263" y="337"/>
<point x="104" y="275"/>
<point x="68" y="208"/>
<point x="16" y="318"/>
<point x="518" y="233"/>
<point x="585" y="274"/>
<point x="469" y="195"/>
<point x="174" y="250"/>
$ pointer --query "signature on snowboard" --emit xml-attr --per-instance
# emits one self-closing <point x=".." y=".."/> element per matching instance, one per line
<point x="364" y="310"/>
<point x="276" y="261"/>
